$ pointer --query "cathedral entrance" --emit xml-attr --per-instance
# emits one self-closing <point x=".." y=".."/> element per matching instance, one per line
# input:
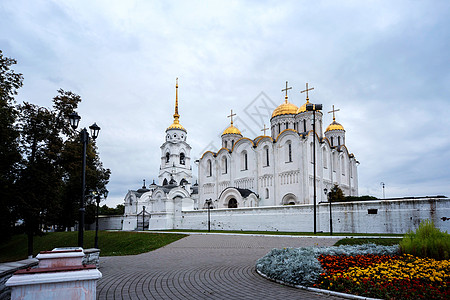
<point x="232" y="203"/>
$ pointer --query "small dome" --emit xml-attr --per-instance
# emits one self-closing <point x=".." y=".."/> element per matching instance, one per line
<point x="176" y="125"/>
<point x="231" y="130"/>
<point x="302" y="108"/>
<point x="286" y="108"/>
<point x="334" y="126"/>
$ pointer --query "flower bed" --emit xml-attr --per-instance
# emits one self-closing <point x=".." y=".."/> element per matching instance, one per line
<point x="366" y="270"/>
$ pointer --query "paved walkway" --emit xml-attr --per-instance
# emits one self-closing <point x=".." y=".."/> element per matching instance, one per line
<point x="201" y="267"/>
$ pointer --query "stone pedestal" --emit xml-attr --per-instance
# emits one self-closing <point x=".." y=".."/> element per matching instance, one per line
<point x="59" y="275"/>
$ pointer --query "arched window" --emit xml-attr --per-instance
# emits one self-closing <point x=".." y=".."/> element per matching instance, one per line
<point x="266" y="153"/>
<point x="224" y="165"/>
<point x="332" y="142"/>
<point x="267" y="193"/>
<point x="339" y="140"/>
<point x="165" y="181"/>
<point x="244" y="161"/>
<point x="343" y="165"/>
<point x="182" y="159"/>
<point x="167" y="157"/>
<point x="304" y="125"/>
<point x="279" y="128"/>
<point x="287" y="125"/>
<point x="232" y="203"/>
<point x="209" y="166"/>
<point x="324" y="159"/>
<point x="232" y="143"/>
<point x="226" y="144"/>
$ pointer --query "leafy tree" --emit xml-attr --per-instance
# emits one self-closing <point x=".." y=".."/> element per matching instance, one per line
<point x="10" y="157"/>
<point x="336" y="194"/>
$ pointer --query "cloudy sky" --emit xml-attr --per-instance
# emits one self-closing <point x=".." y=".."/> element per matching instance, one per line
<point x="384" y="64"/>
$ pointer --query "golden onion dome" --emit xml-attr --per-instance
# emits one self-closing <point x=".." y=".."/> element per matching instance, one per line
<point x="334" y="126"/>
<point x="286" y="108"/>
<point x="231" y="130"/>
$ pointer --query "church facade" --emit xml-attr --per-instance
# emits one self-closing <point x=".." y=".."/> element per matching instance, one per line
<point x="278" y="169"/>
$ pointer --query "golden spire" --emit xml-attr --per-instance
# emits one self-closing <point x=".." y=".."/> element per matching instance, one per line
<point x="176" y="123"/>
<point x="176" y="116"/>
<point x="286" y="89"/>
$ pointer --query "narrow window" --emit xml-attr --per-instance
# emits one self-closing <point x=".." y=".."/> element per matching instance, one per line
<point x="167" y="157"/>
<point x="226" y="144"/>
<point x="332" y="142"/>
<point x="304" y="125"/>
<point x="267" y="193"/>
<point x="232" y="143"/>
<point x="246" y="161"/>
<point x="267" y="156"/>
<point x="289" y="152"/>
<point x="225" y="165"/>
<point x="279" y="128"/>
<point x="182" y="159"/>
<point x="339" y="140"/>
<point x="287" y="125"/>
<point x="209" y="168"/>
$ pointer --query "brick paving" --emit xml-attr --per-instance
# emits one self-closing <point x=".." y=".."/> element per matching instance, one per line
<point x="201" y="267"/>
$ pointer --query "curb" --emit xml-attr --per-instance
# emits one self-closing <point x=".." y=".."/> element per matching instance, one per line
<point x="316" y="290"/>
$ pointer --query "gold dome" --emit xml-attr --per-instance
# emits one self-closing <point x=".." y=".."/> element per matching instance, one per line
<point x="286" y="108"/>
<point x="334" y="126"/>
<point x="302" y="108"/>
<point x="176" y="125"/>
<point x="231" y="130"/>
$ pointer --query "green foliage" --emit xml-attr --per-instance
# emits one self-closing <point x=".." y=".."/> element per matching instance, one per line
<point x="10" y="156"/>
<point x="361" y="241"/>
<point x="105" y="210"/>
<point x="110" y="243"/>
<point x="360" y="198"/>
<point x="427" y="241"/>
<point x="336" y="194"/>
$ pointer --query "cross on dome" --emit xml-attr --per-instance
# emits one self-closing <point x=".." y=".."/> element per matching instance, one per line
<point x="231" y="116"/>
<point x="286" y="90"/>
<point x="333" y="111"/>
<point x="307" y="89"/>
<point x="264" y="129"/>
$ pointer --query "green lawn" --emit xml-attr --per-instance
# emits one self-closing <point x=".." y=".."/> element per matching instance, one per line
<point x="110" y="243"/>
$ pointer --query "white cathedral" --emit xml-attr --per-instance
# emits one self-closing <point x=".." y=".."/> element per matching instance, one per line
<point x="266" y="170"/>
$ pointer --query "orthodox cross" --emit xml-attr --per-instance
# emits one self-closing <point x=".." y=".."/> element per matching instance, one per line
<point x="333" y="111"/>
<point x="307" y="89"/>
<point x="231" y="116"/>
<point x="264" y="129"/>
<point x="286" y="90"/>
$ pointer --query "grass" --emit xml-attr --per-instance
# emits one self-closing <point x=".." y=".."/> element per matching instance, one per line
<point x="360" y="241"/>
<point x="110" y="243"/>
<point x="285" y="233"/>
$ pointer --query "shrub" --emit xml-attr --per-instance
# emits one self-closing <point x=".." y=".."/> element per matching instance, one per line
<point x="427" y="241"/>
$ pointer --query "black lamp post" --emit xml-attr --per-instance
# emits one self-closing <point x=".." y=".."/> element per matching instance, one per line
<point x="97" y="200"/>
<point x="331" y="218"/>
<point x="74" y="120"/>
<point x="314" y="108"/>
<point x="208" y="202"/>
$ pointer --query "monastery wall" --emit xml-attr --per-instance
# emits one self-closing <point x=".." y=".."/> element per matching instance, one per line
<point x="381" y="216"/>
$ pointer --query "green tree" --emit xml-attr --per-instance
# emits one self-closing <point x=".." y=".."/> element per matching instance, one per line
<point x="336" y="194"/>
<point x="10" y="157"/>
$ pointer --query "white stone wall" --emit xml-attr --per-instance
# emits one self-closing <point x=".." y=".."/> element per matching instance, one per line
<point x="393" y="216"/>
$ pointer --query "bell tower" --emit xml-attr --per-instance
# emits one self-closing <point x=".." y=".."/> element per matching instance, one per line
<point x="175" y="168"/>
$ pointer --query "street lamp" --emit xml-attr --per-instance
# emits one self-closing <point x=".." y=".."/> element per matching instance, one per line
<point x="74" y="120"/>
<point x="97" y="200"/>
<point x="383" y="185"/>
<point x="314" y="108"/>
<point x="331" y="218"/>
<point x="208" y="202"/>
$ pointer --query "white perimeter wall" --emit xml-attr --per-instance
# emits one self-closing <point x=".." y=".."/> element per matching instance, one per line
<point x="393" y="216"/>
